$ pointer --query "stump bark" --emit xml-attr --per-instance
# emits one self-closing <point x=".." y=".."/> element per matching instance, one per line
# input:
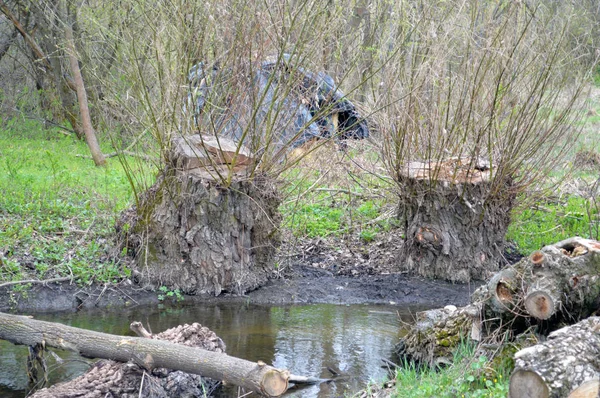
<point x="566" y="365"/>
<point x="205" y="226"/>
<point x="454" y="223"/>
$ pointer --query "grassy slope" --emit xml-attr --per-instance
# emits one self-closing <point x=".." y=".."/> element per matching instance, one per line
<point x="57" y="210"/>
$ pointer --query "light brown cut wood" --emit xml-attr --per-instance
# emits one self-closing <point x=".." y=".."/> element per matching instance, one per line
<point x="589" y="389"/>
<point x="561" y="365"/>
<point x="527" y="384"/>
<point x="540" y="304"/>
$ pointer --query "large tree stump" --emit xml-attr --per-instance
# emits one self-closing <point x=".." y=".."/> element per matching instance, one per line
<point x="567" y="364"/>
<point x="454" y="223"/>
<point x="205" y="226"/>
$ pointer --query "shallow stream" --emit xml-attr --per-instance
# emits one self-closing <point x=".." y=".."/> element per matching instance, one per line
<point x="351" y="339"/>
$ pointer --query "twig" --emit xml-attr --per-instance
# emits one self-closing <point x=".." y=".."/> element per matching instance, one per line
<point x="128" y="153"/>
<point x="142" y="384"/>
<point x="61" y="279"/>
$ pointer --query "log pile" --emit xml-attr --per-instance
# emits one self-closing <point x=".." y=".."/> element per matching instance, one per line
<point x="436" y="333"/>
<point x="566" y="365"/>
<point x="205" y="226"/>
<point x="554" y="286"/>
<point x="559" y="283"/>
<point x="454" y="225"/>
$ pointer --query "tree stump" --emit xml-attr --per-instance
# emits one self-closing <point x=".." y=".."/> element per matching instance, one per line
<point x="566" y="365"/>
<point x="454" y="223"/>
<point x="205" y="226"/>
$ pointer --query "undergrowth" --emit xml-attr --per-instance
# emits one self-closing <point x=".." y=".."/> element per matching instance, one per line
<point x="57" y="210"/>
<point x="468" y="376"/>
<point x="547" y="223"/>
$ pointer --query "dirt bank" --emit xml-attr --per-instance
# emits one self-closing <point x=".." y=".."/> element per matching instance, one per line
<point x="305" y="284"/>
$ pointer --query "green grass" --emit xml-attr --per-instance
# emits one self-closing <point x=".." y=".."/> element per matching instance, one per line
<point x="548" y="223"/>
<point x="57" y="210"/>
<point x="468" y="376"/>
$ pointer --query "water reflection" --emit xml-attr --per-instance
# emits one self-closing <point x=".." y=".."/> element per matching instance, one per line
<point x="304" y="339"/>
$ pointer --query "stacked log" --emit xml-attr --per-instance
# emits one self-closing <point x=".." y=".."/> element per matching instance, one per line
<point x="141" y="357"/>
<point x="559" y="283"/>
<point x="566" y="365"/>
<point x="554" y="286"/>
<point x="205" y="226"/>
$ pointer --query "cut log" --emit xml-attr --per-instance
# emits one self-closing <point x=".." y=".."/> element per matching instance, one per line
<point x="195" y="151"/>
<point x="437" y="333"/>
<point x="454" y="225"/>
<point x="557" y="285"/>
<point x="147" y="353"/>
<point x="567" y="364"/>
<point x="201" y="233"/>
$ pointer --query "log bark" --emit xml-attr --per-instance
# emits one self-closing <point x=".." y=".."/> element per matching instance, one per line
<point x="437" y="333"/>
<point x="147" y="353"/>
<point x="567" y="364"/>
<point x="192" y="231"/>
<point x="557" y="284"/>
<point x="454" y="224"/>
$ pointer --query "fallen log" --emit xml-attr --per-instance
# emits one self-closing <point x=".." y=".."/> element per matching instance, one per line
<point x="432" y="340"/>
<point x="147" y="353"/>
<point x="566" y="365"/>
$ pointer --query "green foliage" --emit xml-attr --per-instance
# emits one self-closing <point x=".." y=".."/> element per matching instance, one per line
<point x="468" y="376"/>
<point x="548" y="223"/>
<point x="166" y="293"/>
<point x="57" y="211"/>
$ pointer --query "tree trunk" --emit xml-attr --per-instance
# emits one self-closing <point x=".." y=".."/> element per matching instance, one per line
<point x="146" y="353"/>
<point x="126" y="380"/>
<point x="454" y="226"/>
<point x="39" y="53"/>
<point x="565" y="362"/>
<point x="84" y="110"/>
<point x="191" y="231"/>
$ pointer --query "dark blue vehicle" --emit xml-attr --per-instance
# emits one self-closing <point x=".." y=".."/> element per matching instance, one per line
<point x="312" y="107"/>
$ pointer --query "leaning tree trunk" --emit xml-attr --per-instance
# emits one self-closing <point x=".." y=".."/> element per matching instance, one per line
<point x="454" y="224"/>
<point x="191" y="232"/>
<point x="147" y="353"/>
<point x="108" y="378"/>
<point x="566" y="365"/>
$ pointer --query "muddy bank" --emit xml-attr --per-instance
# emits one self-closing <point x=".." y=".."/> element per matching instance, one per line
<point x="303" y="285"/>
